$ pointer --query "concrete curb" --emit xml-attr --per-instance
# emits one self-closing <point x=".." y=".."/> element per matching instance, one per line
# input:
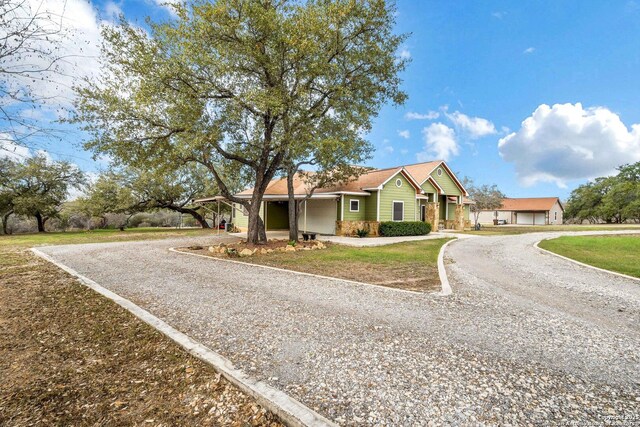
<point x="442" y="273"/>
<point x="582" y="263"/>
<point x="291" y="412"/>
<point x="300" y="273"/>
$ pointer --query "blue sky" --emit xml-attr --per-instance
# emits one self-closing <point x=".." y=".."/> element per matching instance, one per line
<point x="477" y="71"/>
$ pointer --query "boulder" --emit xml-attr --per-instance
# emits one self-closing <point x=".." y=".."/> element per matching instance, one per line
<point x="290" y="248"/>
<point x="320" y="245"/>
<point x="246" y="252"/>
<point x="213" y="249"/>
<point x="263" y="251"/>
<point x="269" y="251"/>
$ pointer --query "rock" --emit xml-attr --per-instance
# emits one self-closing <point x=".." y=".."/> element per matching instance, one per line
<point x="269" y="251"/>
<point x="213" y="249"/>
<point x="290" y="248"/>
<point x="320" y="245"/>
<point x="223" y="250"/>
<point x="246" y="252"/>
<point x="263" y="251"/>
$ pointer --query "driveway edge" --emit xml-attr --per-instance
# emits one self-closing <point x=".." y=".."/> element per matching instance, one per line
<point x="301" y="273"/>
<point x="615" y="273"/>
<point x="291" y="412"/>
<point x="442" y="273"/>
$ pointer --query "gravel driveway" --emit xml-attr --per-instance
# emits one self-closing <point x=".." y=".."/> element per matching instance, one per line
<point x="526" y="338"/>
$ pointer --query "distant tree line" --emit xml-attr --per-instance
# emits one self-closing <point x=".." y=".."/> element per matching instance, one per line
<point x="610" y="199"/>
<point x="35" y="195"/>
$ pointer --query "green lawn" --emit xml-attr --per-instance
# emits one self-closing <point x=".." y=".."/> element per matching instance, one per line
<point x="96" y="236"/>
<point x="615" y="253"/>
<point x="410" y="265"/>
<point x="498" y="230"/>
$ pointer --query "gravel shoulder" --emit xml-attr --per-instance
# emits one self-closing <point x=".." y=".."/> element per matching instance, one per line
<point x="524" y="339"/>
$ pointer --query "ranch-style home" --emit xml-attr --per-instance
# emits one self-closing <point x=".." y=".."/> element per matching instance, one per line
<point x="526" y="211"/>
<point x="420" y="192"/>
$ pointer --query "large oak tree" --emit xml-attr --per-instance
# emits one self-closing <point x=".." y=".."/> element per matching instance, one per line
<point x="234" y="85"/>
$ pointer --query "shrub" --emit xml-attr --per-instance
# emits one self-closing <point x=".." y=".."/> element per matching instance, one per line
<point x="362" y="232"/>
<point x="404" y="228"/>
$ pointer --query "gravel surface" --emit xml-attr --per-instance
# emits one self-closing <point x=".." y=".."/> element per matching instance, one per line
<point x="526" y="338"/>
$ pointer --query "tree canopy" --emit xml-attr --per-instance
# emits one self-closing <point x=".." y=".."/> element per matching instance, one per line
<point x="36" y="187"/>
<point x="132" y="190"/>
<point x="243" y="87"/>
<point x="486" y="198"/>
<point x="609" y="199"/>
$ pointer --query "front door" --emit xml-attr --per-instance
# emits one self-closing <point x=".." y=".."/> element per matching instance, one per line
<point x="423" y="213"/>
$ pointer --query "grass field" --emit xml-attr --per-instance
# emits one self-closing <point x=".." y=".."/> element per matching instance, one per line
<point x="97" y="236"/>
<point x="69" y="356"/>
<point x="411" y="265"/>
<point x="615" y="253"/>
<point x="498" y="230"/>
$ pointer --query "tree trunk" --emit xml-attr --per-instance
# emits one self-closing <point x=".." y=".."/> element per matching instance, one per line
<point x="5" y="220"/>
<point x="40" y="222"/>
<point x="293" y="210"/>
<point x="256" y="233"/>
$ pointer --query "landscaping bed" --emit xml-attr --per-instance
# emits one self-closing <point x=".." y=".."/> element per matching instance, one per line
<point x="69" y="356"/>
<point x="617" y="253"/>
<point x="409" y="266"/>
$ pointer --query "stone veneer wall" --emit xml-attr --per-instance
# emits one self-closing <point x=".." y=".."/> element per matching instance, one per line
<point x="433" y="215"/>
<point x="458" y="222"/>
<point x="349" y="228"/>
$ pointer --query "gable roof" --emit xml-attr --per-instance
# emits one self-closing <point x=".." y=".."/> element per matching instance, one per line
<point x="367" y="181"/>
<point x="530" y="204"/>
<point x="422" y="172"/>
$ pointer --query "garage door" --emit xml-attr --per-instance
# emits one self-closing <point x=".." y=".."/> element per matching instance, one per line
<point x="321" y="216"/>
<point x="541" y="218"/>
<point x="524" y="218"/>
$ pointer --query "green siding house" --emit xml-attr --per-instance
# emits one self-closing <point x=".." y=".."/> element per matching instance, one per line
<point x="427" y="191"/>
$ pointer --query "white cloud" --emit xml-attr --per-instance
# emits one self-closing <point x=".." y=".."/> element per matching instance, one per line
<point x="112" y="10"/>
<point x="499" y="14"/>
<point x="431" y="115"/>
<point x="567" y="141"/>
<point x="11" y="150"/>
<point x="440" y="141"/>
<point x="167" y="4"/>
<point x="405" y="54"/>
<point x="529" y="50"/>
<point x="404" y="134"/>
<point x="474" y="127"/>
<point x="78" y="42"/>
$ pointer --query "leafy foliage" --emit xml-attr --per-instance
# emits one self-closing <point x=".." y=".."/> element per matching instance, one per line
<point x="486" y="198"/>
<point x="36" y="187"/>
<point x="244" y="88"/>
<point x="133" y="190"/>
<point x="613" y="199"/>
<point x="404" y="228"/>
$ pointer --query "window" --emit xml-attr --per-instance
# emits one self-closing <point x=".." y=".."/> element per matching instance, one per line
<point x="398" y="211"/>
<point x="439" y="172"/>
<point x="555" y="216"/>
<point x="354" y="205"/>
<point x="398" y="182"/>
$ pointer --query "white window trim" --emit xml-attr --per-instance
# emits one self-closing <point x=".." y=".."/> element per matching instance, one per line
<point x="439" y="171"/>
<point x="400" y="181"/>
<point x="354" y="200"/>
<point x="392" y="210"/>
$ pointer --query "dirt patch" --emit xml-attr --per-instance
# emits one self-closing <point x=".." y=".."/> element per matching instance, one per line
<point x="69" y="356"/>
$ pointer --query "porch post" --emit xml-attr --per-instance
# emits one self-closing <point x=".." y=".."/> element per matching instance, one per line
<point x="305" y="215"/>
<point x="218" y="218"/>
